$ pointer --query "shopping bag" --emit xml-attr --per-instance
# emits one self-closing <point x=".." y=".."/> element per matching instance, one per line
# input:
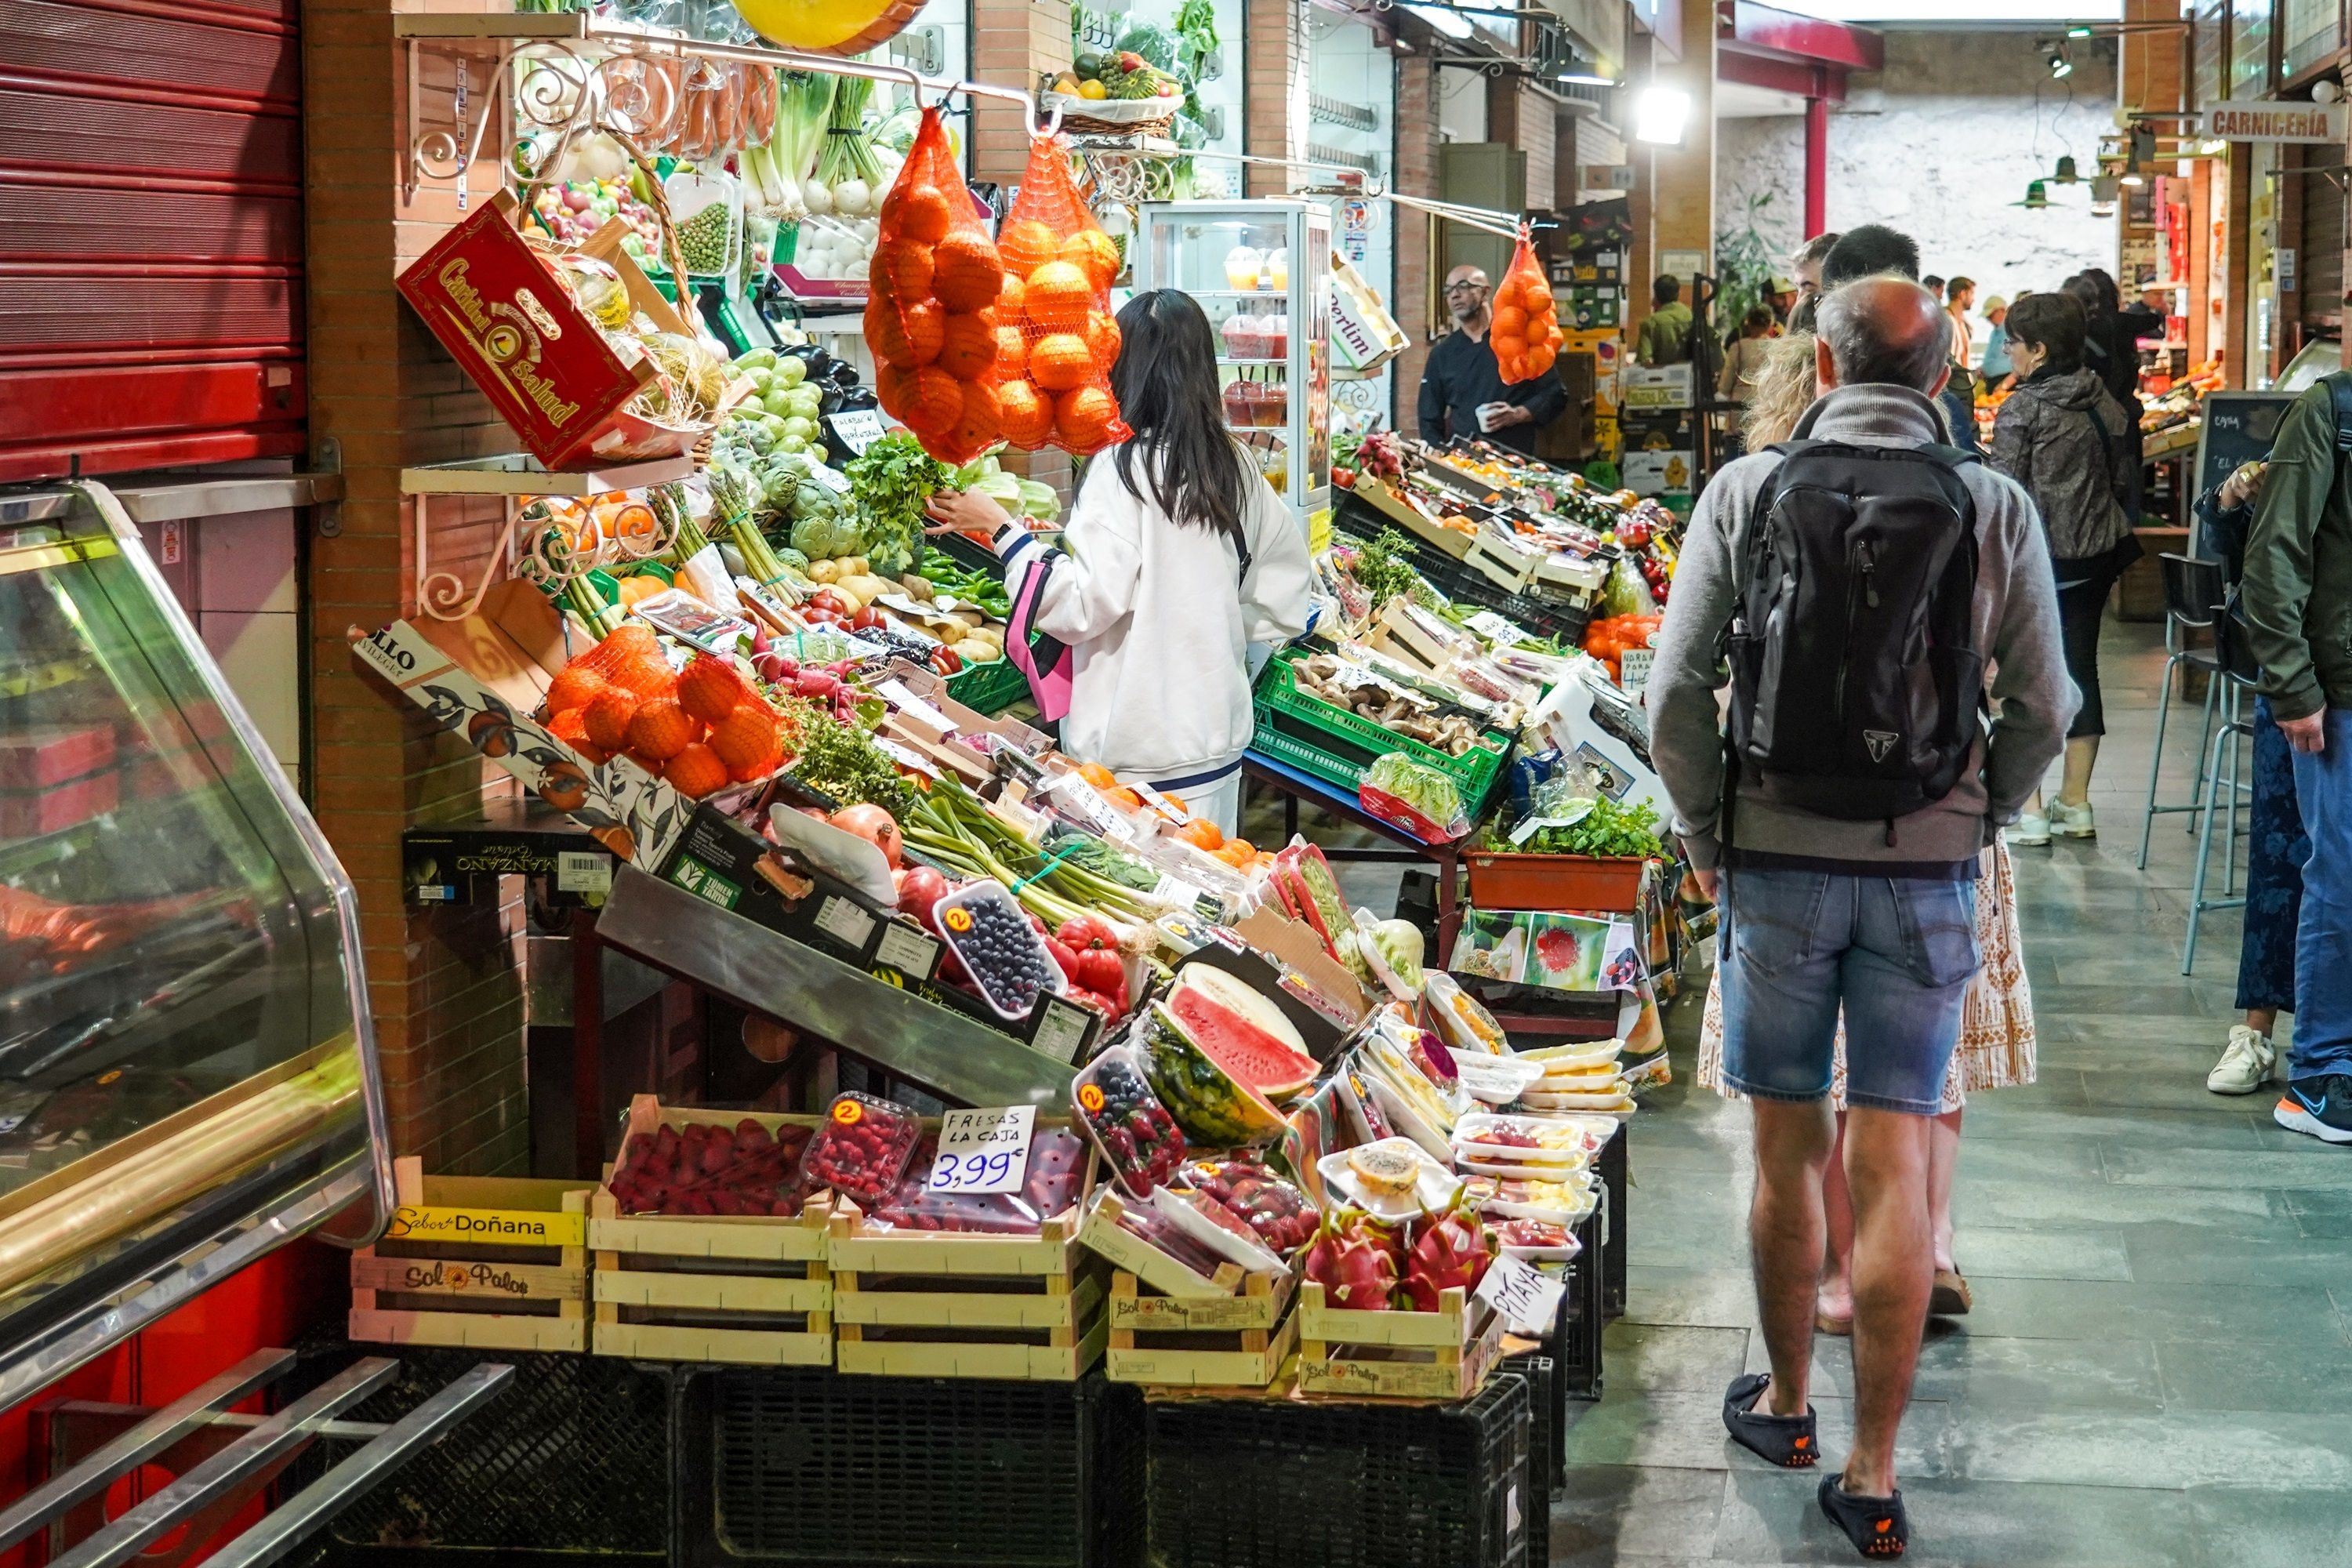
<point x="1059" y="267"/>
<point x="932" y="315"/>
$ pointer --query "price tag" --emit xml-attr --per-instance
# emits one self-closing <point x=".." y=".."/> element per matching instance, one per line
<point x="583" y="871"/>
<point x="984" y="1150"/>
<point x="858" y="428"/>
<point x="1527" y="1297"/>
<point x="845" y="923"/>
<point x="910" y="953"/>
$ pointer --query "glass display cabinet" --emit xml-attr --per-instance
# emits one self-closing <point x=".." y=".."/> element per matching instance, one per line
<point x="187" y="1069"/>
<point x="1261" y="270"/>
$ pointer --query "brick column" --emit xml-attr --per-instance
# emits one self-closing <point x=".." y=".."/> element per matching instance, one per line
<point x="1274" y="89"/>
<point x="1416" y="310"/>
<point x="445" y="986"/>
<point x="1012" y="41"/>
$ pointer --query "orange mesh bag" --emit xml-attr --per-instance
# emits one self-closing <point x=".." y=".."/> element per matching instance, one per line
<point x="1059" y="265"/>
<point x="933" y="316"/>
<point x="1526" y="330"/>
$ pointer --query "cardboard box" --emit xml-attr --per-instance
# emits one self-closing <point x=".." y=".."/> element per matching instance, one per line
<point x="1651" y="473"/>
<point x="1659" y="430"/>
<point x="1586" y="314"/>
<point x="1658" y="386"/>
<point x="485" y="293"/>
<point x="726" y="863"/>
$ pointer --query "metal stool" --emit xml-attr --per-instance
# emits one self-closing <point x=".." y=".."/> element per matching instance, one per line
<point x="2237" y="721"/>
<point x="2193" y="592"/>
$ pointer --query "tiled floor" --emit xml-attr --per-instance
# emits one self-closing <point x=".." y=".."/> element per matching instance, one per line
<point x="2158" y="1370"/>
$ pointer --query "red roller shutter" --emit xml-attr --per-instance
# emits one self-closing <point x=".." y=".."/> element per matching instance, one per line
<point x="151" y="233"/>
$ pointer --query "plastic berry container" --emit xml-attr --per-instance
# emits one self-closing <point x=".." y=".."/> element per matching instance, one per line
<point x="986" y="928"/>
<point x="1138" y="1140"/>
<point x="1283" y="1216"/>
<point x="862" y="1150"/>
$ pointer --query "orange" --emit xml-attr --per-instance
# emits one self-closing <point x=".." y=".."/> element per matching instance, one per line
<point x="646" y="675"/>
<point x="917" y="211"/>
<point x="1508" y="352"/>
<point x="1510" y="321"/>
<point x="966" y="273"/>
<point x="902" y="271"/>
<point x="1011" y="352"/>
<point x="710" y="689"/>
<point x="606" y="718"/>
<point x="1125" y="798"/>
<point x="923" y="327"/>
<point x="1008" y="304"/>
<point x="1022" y="417"/>
<point x="568" y="728"/>
<point x="633" y="638"/>
<point x="1028" y="245"/>
<point x="1061" y="361"/>
<point x="1098" y="775"/>
<point x="894" y="389"/>
<point x="1102" y="339"/>
<point x="976" y="429"/>
<point x="576" y="686"/>
<point x="1202" y="833"/>
<point x="661" y="730"/>
<point x="1084" y="418"/>
<point x="747" y="738"/>
<point x="1058" y="297"/>
<point x="696" y="772"/>
<point x="968" y="345"/>
<point x="936" y="403"/>
<point x="1093" y="251"/>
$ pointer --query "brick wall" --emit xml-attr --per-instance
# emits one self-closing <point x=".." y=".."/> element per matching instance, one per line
<point x="1416" y="175"/>
<point x="447" y="986"/>
<point x="1276" y="89"/>
<point x="1538" y="137"/>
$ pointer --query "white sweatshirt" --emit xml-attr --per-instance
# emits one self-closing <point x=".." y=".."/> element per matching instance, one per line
<point x="1158" y="622"/>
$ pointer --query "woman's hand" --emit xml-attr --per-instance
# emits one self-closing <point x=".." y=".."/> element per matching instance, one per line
<point x="2244" y="486"/>
<point x="961" y="511"/>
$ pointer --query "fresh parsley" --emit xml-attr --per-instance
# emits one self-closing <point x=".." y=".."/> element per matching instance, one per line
<point x="888" y="484"/>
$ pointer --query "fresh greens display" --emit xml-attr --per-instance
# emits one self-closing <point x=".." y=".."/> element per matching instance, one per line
<point x="1382" y="567"/>
<point x="841" y="762"/>
<point x="1420" y="786"/>
<point x="1608" y="829"/>
<point x="889" y="482"/>
<point x="971" y="587"/>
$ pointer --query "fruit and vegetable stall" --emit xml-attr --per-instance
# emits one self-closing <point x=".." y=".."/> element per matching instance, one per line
<point x="1077" y="1088"/>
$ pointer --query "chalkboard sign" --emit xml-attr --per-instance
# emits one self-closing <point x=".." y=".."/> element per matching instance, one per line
<point x="2239" y="427"/>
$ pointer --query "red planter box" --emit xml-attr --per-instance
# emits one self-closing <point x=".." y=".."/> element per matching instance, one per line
<point x="1503" y="881"/>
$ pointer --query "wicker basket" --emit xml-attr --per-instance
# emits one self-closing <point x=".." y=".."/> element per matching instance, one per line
<point x="1107" y="117"/>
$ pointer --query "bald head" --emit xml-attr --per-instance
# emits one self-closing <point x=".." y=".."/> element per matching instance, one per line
<point x="1465" y="294"/>
<point x="1886" y="331"/>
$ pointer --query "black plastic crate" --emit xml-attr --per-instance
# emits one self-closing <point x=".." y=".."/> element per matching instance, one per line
<point x="1279" y="1484"/>
<point x="1542" y="614"/>
<point x="571" y="1460"/>
<point x="1545" y="1467"/>
<point x="1575" y="1349"/>
<point x="786" y="1465"/>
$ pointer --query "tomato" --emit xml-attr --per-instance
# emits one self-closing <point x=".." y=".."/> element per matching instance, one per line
<point x="1098" y="970"/>
<point x="1085" y="932"/>
<point x="866" y="619"/>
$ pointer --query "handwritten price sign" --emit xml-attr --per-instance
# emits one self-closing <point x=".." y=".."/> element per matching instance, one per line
<point x="1527" y="1297"/>
<point x="984" y="1150"/>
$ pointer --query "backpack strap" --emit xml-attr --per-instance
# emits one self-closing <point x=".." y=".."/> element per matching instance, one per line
<point x="2340" y="394"/>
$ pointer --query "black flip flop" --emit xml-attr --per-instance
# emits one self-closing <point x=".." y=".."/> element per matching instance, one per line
<point x="1876" y="1525"/>
<point x="1787" y="1441"/>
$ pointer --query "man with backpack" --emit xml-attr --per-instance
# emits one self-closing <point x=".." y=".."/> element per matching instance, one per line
<point x="1852" y="586"/>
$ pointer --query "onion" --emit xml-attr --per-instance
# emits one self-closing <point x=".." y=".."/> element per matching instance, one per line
<point x="851" y="197"/>
<point x="817" y="195"/>
<point x="872" y="824"/>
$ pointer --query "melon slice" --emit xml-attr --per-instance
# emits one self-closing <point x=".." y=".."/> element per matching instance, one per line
<point x="1240" y="1030"/>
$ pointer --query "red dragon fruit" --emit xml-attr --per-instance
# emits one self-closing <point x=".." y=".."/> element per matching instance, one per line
<point x="1354" y="1258"/>
<point x="1451" y="1247"/>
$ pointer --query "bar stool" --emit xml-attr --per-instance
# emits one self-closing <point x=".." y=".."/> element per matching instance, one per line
<point x="2238" y="679"/>
<point x="2193" y="592"/>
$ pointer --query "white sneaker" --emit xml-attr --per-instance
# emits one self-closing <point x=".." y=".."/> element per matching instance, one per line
<point x="2032" y="829"/>
<point x="2246" y="1062"/>
<point x="2071" y="821"/>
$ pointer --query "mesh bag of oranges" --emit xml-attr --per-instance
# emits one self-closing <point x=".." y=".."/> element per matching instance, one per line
<point x="1058" y="268"/>
<point x="701" y="729"/>
<point x="1526" y="332"/>
<point x="933" y="316"/>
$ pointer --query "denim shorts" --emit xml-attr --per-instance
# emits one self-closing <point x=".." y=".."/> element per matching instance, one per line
<point x="1896" y="954"/>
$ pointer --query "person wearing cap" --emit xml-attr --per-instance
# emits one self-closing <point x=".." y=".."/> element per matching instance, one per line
<point x="1780" y="293"/>
<point x="1996" y="367"/>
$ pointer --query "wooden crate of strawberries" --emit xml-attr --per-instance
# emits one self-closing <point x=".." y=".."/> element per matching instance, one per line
<point x="488" y="1262"/>
<point x="706" y="1250"/>
<point x="991" y="1286"/>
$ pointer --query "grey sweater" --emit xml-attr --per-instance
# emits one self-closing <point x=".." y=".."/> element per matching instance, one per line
<point x="2016" y="625"/>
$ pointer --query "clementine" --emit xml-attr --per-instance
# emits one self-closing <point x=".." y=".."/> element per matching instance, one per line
<point x="1025" y="418"/>
<point x="966" y="273"/>
<point x="1058" y="297"/>
<point x="1060" y="361"/>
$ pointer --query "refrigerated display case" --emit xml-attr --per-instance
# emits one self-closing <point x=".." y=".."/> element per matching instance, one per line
<point x="187" y="1069"/>
<point x="1262" y="271"/>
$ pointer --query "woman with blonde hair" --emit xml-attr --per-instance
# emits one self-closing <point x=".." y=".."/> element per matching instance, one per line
<point x="1997" y="1036"/>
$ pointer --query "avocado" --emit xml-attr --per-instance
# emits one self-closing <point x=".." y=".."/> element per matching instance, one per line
<point x="1088" y="66"/>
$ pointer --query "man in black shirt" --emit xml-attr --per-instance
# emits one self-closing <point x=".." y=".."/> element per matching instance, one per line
<point x="1462" y="377"/>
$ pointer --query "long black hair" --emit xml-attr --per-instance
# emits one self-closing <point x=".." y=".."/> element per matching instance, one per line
<point x="1166" y="384"/>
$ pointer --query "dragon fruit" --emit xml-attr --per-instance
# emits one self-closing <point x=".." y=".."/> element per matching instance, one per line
<point x="1354" y="1257"/>
<point x="1453" y="1246"/>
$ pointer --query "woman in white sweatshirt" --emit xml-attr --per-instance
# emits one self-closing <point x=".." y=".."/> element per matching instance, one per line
<point x="1179" y="556"/>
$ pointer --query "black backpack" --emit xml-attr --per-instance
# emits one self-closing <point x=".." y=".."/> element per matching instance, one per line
<point x="1855" y="683"/>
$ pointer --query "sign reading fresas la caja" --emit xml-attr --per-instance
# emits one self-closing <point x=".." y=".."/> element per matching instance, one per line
<point x="2270" y="120"/>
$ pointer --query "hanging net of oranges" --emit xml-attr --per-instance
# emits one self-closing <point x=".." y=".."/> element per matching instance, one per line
<point x="1058" y="268"/>
<point x="1526" y="332"/>
<point x="932" y="315"/>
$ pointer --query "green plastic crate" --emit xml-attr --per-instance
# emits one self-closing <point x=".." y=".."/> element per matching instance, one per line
<point x="990" y="688"/>
<point x="1340" y="747"/>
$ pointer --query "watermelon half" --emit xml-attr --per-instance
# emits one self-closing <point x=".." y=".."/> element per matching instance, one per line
<point x="1240" y="1030"/>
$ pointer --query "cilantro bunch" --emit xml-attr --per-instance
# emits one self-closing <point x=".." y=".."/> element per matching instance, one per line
<point x="888" y="483"/>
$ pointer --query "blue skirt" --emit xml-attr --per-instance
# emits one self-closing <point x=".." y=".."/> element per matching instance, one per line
<point x="2275" y="850"/>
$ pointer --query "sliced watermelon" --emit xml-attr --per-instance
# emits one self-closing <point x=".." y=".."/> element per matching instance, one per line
<point x="1241" y="1031"/>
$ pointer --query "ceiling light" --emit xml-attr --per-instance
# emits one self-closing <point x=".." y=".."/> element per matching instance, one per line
<point x="1581" y="78"/>
<point x="2067" y="173"/>
<point x="1660" y="115"/>
<point x="2061" y="67"/>
<point x="2037" y="194"/>
<point x="2132" y="177"/>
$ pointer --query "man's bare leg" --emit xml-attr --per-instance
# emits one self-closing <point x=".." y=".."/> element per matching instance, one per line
<point x="1787" y="1235"/>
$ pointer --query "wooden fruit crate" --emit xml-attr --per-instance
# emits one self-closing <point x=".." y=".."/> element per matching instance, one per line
<point x="484" y="1262"/>
<point x="1444" y="1354"/>
<point x="928" y="1303"/>
<point x="1103" y="1235"/>
<point x="753" y="1290"/>
<point x="1234" y="1341"/>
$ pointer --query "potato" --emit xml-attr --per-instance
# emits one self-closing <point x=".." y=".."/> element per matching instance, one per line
<point x="917" y="588"/>
<point x="970" y="619"/>
<point x="972" y="651"/>
<point x="823" y="572"/>
<point x="857" y="565"/>
<point x="867" y="585"/>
